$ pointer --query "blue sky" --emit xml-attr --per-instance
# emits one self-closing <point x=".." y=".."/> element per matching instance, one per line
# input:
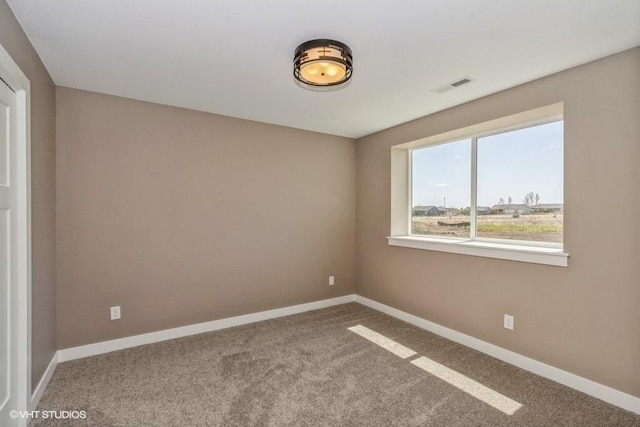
<point x="510" y="164"/>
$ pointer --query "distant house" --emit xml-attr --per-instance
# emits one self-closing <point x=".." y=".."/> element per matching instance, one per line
<point x="483" y="210"/>
<point x="548" y="207"/>
<point x="427" y="211"/>
<point x="516" y="209"/>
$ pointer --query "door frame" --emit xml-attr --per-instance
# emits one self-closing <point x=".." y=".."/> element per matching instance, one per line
<point x="18" y="81"/>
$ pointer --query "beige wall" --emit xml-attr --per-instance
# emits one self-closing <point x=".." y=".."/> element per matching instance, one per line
<point x="43" y="200"/>
<point x="183" y="217"/>
<point x="585" y="318"/>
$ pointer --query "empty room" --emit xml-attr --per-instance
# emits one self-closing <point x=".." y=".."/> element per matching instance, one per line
<point x="286" y="213"/>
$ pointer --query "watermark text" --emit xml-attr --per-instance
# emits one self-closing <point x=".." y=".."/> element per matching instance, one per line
<point x="58" y="415"/>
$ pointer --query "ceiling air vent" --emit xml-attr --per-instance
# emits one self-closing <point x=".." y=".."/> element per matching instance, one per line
<point x="452" y="85"/>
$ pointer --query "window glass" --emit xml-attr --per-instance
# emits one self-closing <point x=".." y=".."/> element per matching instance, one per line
<point x="441" y="189"/>
<point x="520" y="184"/>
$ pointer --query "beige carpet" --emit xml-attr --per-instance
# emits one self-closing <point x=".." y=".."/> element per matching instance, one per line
<point x="310" y="370"/>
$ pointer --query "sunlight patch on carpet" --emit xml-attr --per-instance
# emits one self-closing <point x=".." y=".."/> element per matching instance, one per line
<point x="382" y="341"/>
<point x="475" y="389"/>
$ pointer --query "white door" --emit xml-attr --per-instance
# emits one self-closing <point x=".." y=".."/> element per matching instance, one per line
<point x="8" y="255"/>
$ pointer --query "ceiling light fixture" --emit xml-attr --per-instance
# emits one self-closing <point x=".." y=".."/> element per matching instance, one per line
<point x="322" y="64"/>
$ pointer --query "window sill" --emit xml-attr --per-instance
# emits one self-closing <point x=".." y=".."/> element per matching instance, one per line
<point x="532" y="254"/>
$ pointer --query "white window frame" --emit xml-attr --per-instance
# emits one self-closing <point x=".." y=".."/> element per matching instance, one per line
<point x="401" y="177"/>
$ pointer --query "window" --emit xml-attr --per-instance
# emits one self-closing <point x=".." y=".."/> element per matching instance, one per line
<point x="520" y="183"/>
<point x="495" y="189"/>
<point x="441" y="187"/>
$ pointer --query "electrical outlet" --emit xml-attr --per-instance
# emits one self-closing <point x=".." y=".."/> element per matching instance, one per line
<point x="508" y="322"/>
<point x="332" y="280"/>
<point x="115" y="312"/>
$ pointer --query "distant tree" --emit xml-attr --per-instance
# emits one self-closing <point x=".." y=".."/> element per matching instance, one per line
<point x="501" y="201"/>
<point x="510" y="199"/>
<point x="537" y="199"/>
<point x="529" y="199"/>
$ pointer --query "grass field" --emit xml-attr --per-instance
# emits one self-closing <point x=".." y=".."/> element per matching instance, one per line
<point x="539" y="227"/>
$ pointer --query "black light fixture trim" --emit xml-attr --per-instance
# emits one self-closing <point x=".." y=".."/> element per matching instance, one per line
<point x="321" y="52"/>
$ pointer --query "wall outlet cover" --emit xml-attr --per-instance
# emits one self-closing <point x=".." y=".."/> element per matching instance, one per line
<point x="508" y="322"/>
<point x="115" y="312"/>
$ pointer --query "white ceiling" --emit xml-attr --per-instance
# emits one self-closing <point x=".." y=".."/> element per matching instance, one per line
<point x="234" y="57"/>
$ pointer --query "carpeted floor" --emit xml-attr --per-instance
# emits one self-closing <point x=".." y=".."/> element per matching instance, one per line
<point x="309" y="370"/>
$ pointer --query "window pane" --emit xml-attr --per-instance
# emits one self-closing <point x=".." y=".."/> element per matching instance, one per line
<point x="441" y="189"/>
<point x="520" y="184"/>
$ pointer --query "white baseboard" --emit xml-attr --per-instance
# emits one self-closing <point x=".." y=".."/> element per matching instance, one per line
<point x="168" y="334"/>
<point x="44" y="382"/>
<point x="592" y="388"/>
<point x="600" y="391"/>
